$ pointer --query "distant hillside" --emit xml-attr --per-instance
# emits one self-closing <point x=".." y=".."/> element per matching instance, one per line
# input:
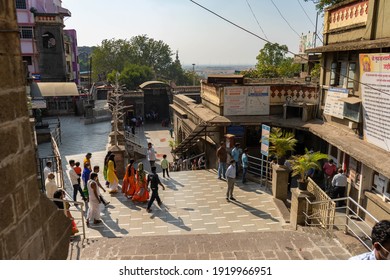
<point x="84" y="55"/>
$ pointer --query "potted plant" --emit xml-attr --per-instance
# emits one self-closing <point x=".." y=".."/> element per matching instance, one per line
<point x="303" y="164"/>
<point x="281" y="143"/>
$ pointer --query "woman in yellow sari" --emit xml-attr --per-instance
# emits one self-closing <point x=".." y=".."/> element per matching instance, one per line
<point x="141" y="192"/>
<point x="128" y="185"/>
<point x="111" y="175"/>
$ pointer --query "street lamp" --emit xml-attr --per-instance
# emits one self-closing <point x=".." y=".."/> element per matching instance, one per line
<point x="193" y="74"/>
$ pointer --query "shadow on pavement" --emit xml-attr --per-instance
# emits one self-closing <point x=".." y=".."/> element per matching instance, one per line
<point x="254" y="211"/>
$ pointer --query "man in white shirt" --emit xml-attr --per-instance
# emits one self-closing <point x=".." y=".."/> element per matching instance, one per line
<point x="47" y="170"/>
<point x="231" y="178"/>
<point x="380" y="239"/>
<point x="339" y="184"/>
<point x="151" y="155"/>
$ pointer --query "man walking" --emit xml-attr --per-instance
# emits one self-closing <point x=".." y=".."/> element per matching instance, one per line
<point x="329" y="169"/>
<point x="154" y="182"/>
<point x="339" y="184"/>
<point x="231" y="179"/>
<point x="245" y="164"/>
<point x="222" y="158"/>
<point x="151" y="155"/>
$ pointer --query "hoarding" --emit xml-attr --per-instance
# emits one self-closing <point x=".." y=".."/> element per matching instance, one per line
<point x="375" y="89"/>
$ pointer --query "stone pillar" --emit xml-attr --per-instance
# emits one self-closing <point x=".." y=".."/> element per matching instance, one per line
<point x="279" y="182"/>
<point x="298" y="206"/>
<point x="119" y="152"/>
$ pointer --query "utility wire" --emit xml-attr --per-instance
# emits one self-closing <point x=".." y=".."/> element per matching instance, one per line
<point x="303" y="9"/>
<point x="256" y="19"/>
<point x="280" y="13"/>
<point x="300" y="56"/>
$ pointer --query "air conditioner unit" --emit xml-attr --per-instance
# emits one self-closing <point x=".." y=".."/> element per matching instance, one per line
<point x="352" y="125"/>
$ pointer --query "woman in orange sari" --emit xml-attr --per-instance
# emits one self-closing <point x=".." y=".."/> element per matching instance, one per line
<point x="141" y="191"/>
<point x="128" y="185"/>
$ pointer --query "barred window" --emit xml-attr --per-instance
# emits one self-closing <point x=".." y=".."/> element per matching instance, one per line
<point x="26" y="32"/>
<point x="21" y="4"/>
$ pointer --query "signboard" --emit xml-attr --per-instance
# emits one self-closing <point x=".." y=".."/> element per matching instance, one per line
<point x="251" y="100"/>
<point x="375" y="88"/>
<point x="257" y="102"/>
<point x="265" y="130"/>
<point x="236" y="130"/>
<point x="333" y="106"/>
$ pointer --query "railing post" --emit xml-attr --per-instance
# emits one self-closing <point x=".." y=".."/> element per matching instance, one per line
<point x="347" y="216"/>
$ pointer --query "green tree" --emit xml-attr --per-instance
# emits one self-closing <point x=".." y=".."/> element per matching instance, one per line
<point x="109" y="56"/>
<point x="132" y="75"/>
<point x="322" y="4"/>
<point x="281" y="143"/>
<point x="272" y="62"/>
<point x="152" y="53"/>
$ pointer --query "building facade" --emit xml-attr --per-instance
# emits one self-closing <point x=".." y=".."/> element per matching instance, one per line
<point x="354" y="97"/>
<point x="41" y="25"/>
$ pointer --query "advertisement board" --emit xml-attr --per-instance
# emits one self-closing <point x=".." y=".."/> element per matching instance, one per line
<point x="375" y="89"/>
<point x="250" y="100"/>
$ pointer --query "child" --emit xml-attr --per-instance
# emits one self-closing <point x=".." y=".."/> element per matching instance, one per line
<point x="77" y="169"/>
<point x="165" y="165"/>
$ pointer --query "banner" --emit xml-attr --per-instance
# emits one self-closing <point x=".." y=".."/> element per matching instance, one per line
<point x="375" y="90"/>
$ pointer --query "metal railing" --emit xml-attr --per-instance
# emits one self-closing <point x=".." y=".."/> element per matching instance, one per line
<point x="71" y="210"/>
<point x="325" y="214"/>
<point x="260" y="167"/>
<point x="134" y="143"/>
<point x="186" y="164"/>
<point x="324" y="211"/>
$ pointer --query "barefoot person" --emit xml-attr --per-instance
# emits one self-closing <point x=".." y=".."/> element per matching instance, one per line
<point x="94" y="200"/>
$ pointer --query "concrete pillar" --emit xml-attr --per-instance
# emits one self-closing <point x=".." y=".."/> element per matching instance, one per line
<point x="298" y="206"/>
<point x="119" y="152"/>
<point x="279" y="182"/>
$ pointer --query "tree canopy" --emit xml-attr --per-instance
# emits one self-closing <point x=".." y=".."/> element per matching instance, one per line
<point x="122" y="55"/>
<point x="132" y="75"/>
<point x="272" y="62"/>
<point x="322" y="4"/>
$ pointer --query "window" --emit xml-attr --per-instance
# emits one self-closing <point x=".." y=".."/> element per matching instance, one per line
<point x="26" y="32"/>
<point x="21" y="4"/>
<point x="381" y="184"/>
<point x="28" y="59"/>
<point x="48" y="40"/>
<point x="343" y="72"/>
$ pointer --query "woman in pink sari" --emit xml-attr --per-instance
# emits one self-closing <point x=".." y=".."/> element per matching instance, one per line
<point x="141" y="191"/>
<point x="128" y="185"/>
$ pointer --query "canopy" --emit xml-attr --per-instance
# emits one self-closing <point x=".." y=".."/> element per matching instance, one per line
<point x="54" y="89"/>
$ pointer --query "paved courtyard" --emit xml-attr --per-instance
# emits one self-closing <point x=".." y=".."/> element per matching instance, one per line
<point x="195" y="220"/>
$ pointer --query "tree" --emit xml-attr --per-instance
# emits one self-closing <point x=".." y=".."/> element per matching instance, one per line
<point x="281" y="143"/>
<point x="322" y="4"/>
<point x="111" y="55"/>
<point x="301" y="165"/>
<point x="139" y="50"/>
<point x="132" y="75"/>
<point x="273" y="63"/>
<point x="152" y="53"/>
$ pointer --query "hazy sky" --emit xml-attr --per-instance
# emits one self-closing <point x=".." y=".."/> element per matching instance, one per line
<point x="199" y="36"/>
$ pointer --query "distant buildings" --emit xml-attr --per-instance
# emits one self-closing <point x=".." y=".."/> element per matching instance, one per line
<point x="50" y="53"/>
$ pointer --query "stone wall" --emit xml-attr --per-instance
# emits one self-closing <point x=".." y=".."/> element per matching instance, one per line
<point x="31" y="227"/>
